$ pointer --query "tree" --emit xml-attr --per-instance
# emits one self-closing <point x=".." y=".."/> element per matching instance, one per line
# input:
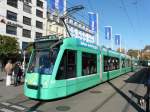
<point x="9" y="48"/>
<point x="146" y="56"/>
<point x="122" y="50"/>
<point x="146" y="53"/>
<point x="133" y="53"/>
<point x="29" y="47"/>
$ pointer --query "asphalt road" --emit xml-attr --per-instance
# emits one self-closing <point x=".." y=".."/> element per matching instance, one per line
<point x="121" y="94"/>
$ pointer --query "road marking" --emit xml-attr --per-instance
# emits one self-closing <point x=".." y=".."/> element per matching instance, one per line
<point x="18" y="107"/>
<point x="6" y="110"/>
<point x="6" y="104"/>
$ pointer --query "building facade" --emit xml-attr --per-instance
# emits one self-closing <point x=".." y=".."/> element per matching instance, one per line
<point x="81" y="30"/>
<point x="23" y="19"/>
<point x="76" y="28"/>
<point x="55" y="26"/>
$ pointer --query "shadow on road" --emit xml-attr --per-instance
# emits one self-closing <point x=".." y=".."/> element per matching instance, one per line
<point x="128" y="99"/>
<point x="35" y="107"/>
<point x="136" y="77"/>
<point x="137" y="96"/>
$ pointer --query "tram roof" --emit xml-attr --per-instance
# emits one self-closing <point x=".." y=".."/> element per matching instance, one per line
<point x="68" y="41"/>
<point x="109" y="52"/>
<point x="72" y="41"/>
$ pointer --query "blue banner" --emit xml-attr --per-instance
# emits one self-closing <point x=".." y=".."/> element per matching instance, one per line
<point x="59" y="5"/>
<point x="117" y="39"/>
<point x="51" y="5"/>
<point x="93" y="21"/>
<point x="108" y="32"/>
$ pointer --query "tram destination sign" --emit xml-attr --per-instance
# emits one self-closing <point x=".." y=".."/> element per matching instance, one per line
<point x="44" y="44"/>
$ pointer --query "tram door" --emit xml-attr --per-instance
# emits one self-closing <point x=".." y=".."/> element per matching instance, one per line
<point x="71" y="60"/>
<point x="67" y="71"/>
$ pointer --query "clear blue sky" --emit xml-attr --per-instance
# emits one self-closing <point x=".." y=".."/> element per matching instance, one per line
<point x="130" y="18"/>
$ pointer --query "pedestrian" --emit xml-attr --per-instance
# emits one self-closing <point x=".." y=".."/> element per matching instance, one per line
<point x="0" y="71"/>
<point x="8" y="70"/>
<point x="17" y="74"/>
<point x="20" y="73"/>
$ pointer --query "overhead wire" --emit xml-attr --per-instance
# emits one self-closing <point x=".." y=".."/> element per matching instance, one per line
<point x="77" y="13"/>
<point x="127" y="15"/>
<point x="84" y="13"/>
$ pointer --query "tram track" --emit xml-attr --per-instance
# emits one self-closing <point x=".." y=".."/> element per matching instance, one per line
<point x="135" y="90"/>
<point x="106" y="100"/>
<point x="118" y="91"/>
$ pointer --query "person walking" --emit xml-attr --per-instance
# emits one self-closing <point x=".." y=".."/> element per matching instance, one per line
<point x="8" y="70"/>
<point x="20" y="73"/>
<point x="16" y="73"/>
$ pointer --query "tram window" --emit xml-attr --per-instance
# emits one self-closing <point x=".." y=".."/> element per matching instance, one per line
<point x="89" y="63"/>
<point x="123" y="63"/>
<point x="129" y="63"/>
<point x="106" y="67"/>
<point x="67" y="67"/>
<point x="110" y="63"/>
<point x="42" y="62"/>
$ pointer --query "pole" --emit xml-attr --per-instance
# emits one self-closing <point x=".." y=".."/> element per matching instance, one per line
<point x="125" y="49"/>
<point x="0" y="70"/>
<point x="98" y="38"/>
<point x="23" y="64"/>
<point x="63" y="20"/>
<point x="148" y="91"/>
<point x="111" y="38"/>
<point x="120" y="43"/>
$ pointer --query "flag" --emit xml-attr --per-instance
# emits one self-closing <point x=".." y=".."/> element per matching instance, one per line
<point x="59" y="5"/>
<point x="108" y="32"/>
<point x="51" y="5"/>
<point x="117" y="39"/>
<point x="62" y="5"/>
<point x="93" y="21"/>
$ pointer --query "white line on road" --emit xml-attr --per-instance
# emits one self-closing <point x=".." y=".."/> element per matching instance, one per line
<point x="6" y="110"/>
<point x="17" y="107"/>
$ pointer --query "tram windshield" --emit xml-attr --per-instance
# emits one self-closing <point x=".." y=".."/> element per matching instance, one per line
<point x="42" y="61"/>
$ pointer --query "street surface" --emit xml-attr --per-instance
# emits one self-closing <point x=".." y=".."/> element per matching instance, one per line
<point x="121" y="94"/>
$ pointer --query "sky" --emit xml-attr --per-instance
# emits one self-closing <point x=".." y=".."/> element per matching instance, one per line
<point x="129" y="18"/>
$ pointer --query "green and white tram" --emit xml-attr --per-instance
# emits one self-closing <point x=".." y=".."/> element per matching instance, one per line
<point x="58" y="68"/>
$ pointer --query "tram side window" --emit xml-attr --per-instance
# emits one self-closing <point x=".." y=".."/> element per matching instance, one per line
<point x="126" y="63"/>
<point x="106" y="64"/>
<point x="116" y="64"/>
<point x="129" y="63"/>
<point x="67" y="67"/>
<point x="89" y="63"/>
<point x="123" y="63"/>
<point x="110" y="63"/>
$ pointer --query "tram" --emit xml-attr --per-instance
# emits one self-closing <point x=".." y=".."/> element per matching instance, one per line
<point x="61" y="67"/>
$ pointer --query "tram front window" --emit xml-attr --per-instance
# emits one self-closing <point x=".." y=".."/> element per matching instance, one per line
<point x="43" y="61"/>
